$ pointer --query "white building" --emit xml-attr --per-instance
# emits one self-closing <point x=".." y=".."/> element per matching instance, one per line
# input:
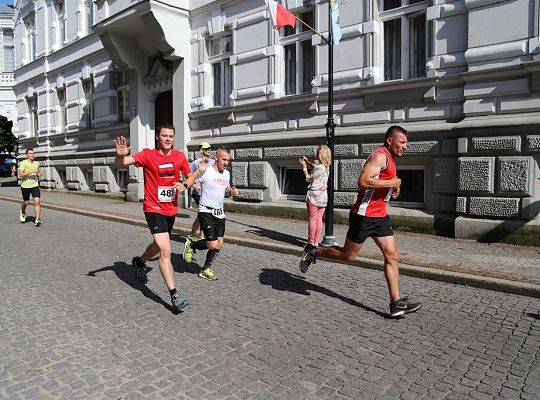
<point x="462" y="76"/>
<point x="8" y="103"/>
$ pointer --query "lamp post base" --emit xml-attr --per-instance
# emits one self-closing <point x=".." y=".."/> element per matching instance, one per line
<point x="329" y="241"/>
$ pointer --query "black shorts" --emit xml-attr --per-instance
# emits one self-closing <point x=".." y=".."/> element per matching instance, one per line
<point x="360" y="227"/>
<point x="159" y="223"/>
<point x="196" y="197"/>
<point x="211" y="226"/>
<point x="26" y="192"/>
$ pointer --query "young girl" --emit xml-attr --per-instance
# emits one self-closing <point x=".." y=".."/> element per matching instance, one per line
<point x="316" y="197"/>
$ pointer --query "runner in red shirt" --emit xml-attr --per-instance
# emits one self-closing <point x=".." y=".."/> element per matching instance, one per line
<point x="163" y="169"/>
<point x="368" y="218"/>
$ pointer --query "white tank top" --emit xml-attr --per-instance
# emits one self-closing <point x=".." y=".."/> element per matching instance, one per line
<point x="213" y="185"/>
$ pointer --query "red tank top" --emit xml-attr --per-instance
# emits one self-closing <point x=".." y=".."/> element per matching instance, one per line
<point x="372" y="202"/>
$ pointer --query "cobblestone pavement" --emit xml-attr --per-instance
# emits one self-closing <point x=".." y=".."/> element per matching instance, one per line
<point x="75" y="324"/>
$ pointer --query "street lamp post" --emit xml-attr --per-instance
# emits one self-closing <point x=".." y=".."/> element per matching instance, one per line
<point x="329" y="238"/>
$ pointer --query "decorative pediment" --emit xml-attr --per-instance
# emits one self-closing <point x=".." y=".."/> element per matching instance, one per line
<point x="159" y="74"/>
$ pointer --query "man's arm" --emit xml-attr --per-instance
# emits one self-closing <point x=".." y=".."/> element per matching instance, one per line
<point x="372" y="168"/>
<point x="123" y="158"/>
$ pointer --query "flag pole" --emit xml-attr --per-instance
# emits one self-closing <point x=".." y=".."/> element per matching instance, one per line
<point x="312" y="29"/>
<point x="329" y="239"/>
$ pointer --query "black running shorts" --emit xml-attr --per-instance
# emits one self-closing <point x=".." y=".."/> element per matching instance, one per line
<point x="34" y="191"/>
<point x="211" y="226"/>
<point x="159" y="223"/>
<point x="360" y="227"/>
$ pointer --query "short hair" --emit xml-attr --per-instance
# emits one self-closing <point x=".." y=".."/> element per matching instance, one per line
<point x="165" y="126"/>
<point x="325" y="155"/>
<point x="29" y="149"/>
<point x="394" y="129"/>
<point x="223" y="148"/>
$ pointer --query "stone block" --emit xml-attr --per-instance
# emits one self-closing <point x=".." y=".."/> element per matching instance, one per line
<point x="345" y="150"/>
<point x="425" y="147"/>
<point x="501" y="143"/>
<point x="461" y="205"/>
<point x="530" y="208"/>
<point x="239" y="173"/>
<point x="257" y="173"/>
<point x="100" y="174"/>
<point x="463" y="145"/>
<point x="368" y="148"/>
<point x="249" y="153"/>
<point x="448" y="204"/>
<point x="74" y="185"/>
<point x="344" y="199"/>
<point x="515" y="175"/>
<point x="84" y="161"/>
<point x="250" y="194"/>
<point x="476" y="174"/>
<point x="349" y="171"/>
<point x="533" y="143"/>
<point x="100" y="160"/>
<point x="445" y="171"/>
<point x="101" y="187"/>
<point x="449" y="146"/>
<point x="494" y="207"/>
<point x="290" y="152"/>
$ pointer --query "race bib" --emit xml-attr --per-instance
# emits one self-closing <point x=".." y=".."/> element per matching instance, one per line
<point x="166" y="194"/>
<point x="31" y="180"/>
<point x="218" y="212"/>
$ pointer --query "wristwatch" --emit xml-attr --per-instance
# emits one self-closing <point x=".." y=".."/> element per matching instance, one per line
<point x="186" y="185"/>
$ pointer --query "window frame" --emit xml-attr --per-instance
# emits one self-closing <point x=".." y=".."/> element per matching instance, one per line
<point x="8" y="48"/>
<point x="88" y="109"/>
<point x="221" y="60"/>
<point x="301" y="35"/>
<point x="412" y="204"/>
<point x="408" y="9"/>
<point x="282" y="174"/>
<point x="33" y="119"/>
<point x="62" y="106"/>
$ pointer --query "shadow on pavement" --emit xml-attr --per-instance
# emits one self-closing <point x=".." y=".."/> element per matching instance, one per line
<point x="126" y="274"/>
<point x="271" y="234"/>
<point x="282" y="280"/>
<point x="533" y="315"/>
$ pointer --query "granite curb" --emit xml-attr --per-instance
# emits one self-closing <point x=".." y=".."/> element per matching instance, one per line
<point x="453" y="277"/>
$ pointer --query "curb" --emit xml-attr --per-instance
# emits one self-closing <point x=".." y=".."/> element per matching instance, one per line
<point x="457" y="278"/>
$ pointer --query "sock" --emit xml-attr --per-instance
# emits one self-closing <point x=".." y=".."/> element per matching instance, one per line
<point x="172" y="292"/>
<point x="210" y="258"/>
<point x="395" y="302"/>
<point x="199" y="245"/>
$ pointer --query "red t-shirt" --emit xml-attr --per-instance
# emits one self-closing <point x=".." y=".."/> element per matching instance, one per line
<point x="372" y="202"/>
<point x="160" y="172"/>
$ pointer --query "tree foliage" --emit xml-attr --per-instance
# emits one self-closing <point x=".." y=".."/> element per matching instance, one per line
<point x="8" y="141"/>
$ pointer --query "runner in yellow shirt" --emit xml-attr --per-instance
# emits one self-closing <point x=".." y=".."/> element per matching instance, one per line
<point x="29" y="174"/>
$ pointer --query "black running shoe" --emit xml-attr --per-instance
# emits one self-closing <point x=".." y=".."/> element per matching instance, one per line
<point x="140" y="269"/>
<point x="403" y="306"/>
<point x="308" y="258"/>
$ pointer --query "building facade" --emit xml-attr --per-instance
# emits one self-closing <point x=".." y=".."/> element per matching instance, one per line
<point x="8" y="105"/>
<point x="466" y="89"/>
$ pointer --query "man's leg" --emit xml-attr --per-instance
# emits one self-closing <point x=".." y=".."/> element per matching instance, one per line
<point x="347" y="253"/>
<point x="139" y="263"/>
<point x="37" y="207"/>
<point x="151" y="251"/>
<point x="213" y="247"/>
<point x="163" y="243"/>
<point x="22" y="214"/>
<point x="388" y="247"/>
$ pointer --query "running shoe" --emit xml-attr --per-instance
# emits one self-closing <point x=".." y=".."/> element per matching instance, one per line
<point x="208" y="273"/>
<point x="140" y="269"/>
<point x="22" y="217"/>
<point x="403" y="306"/>
<point x="193" y="239"/>
<point x="38" y="222"/>
<point x="179" y="302"/>
<point x="308" y="258"/>
<point x="188" y="251"/>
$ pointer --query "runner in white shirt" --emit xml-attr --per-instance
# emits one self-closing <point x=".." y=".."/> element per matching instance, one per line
<point x="214" y="186"/>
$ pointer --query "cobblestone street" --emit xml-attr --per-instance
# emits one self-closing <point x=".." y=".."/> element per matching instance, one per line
<point x="75" y="323"/>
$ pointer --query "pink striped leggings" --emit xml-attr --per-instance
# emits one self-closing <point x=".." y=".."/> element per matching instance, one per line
<point x="315" y="222"/>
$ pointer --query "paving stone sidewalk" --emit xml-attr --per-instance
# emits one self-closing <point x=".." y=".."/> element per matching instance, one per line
<point x="508" y="268"/>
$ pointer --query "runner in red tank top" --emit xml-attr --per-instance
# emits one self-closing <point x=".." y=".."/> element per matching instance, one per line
<point x="378" y="182"/>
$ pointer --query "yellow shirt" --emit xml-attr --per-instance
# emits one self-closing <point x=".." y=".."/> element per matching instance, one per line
<point x="29" y="181"/>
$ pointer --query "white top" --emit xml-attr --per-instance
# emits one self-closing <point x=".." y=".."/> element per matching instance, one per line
<point x="213" y="186"/>
<point x="195" y="164"/>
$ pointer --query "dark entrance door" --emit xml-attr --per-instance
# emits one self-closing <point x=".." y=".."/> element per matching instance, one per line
<point x="164" y="109"/>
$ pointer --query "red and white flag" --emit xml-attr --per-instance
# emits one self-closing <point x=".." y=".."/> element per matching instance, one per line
<point x="280" y="15"/>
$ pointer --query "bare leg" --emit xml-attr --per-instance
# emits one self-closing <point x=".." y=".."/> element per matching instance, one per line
<point x="196" y="227"/>
<point x="24" y="203"/>
<point x="163" y="242"/>
<point x="151" y="251"/>
<point x="347" y="253"/>
<point x="387" y="244"/>
<point x="37" y="206"/>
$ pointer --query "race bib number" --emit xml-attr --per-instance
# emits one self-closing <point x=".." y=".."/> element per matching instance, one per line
<point x="31" y="180"/>
<point x="218" y="212"/>
<point x="166" y="194"/>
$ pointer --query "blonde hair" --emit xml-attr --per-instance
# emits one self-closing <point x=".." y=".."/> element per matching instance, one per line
<point x="325" y="156"/>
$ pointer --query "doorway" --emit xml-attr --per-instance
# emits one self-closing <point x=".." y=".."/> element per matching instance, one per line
<point x="163" y="109"/>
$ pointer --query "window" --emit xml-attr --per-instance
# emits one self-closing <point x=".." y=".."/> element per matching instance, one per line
<point x="219" y="52"/>
<point x="412" y="190"/>
<point x="58" y="27"/>
<point x="8" y="51"/>
<point x="88" y="110"/>
<point x="30" y="36"/>
<point x="122" y="92"/>
<point x="61" y="119"/>
<point x="89" y="15"/>
<point x="33" y="117"/>
<point x="298" y="55"/>
<point x="293" y="184"/>
<point x="122" y="179"/>
<point x="405" y="32"/>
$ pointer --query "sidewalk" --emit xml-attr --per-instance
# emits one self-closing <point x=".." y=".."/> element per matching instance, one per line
<point x="501" y="267"/>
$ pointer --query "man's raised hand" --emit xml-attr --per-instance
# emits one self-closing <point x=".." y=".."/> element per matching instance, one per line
<point x="122" y="149"/>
